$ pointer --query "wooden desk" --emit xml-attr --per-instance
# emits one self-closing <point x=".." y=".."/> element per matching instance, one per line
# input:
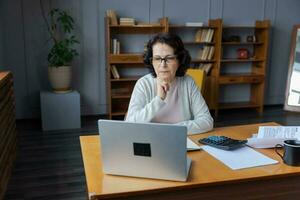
<point x="208" y="178"/>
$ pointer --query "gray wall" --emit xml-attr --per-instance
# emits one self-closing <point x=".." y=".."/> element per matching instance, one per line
<point x="24" y="39"/>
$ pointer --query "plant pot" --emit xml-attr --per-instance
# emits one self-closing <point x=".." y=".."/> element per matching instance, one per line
<point x="60" y="78"/>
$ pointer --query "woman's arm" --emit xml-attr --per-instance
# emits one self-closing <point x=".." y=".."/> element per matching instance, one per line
<point x="202" y="120"/>
<point x="141" y="107"/>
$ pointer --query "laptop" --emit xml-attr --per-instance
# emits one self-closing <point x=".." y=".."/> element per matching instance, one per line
<point x="148" y="150"/>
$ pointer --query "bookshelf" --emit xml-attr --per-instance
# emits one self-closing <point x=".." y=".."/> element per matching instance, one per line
<point x="224" y="57"/>
<point x="119" y="87"/>
<point x="250" y="70"/>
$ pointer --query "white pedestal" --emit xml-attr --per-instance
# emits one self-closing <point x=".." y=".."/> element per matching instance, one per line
<point x="60" y="111"/>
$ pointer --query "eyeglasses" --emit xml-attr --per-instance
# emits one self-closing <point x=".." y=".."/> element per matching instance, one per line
<point x="167" y="59"/>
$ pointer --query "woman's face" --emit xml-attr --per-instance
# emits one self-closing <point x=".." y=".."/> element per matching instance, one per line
<point x="164" y="62"/>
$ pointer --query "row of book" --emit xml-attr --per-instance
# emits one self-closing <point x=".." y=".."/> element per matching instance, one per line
<point x="206" y="53"/>
<point x="115" y="46"/>
<point x="204" y="35"/>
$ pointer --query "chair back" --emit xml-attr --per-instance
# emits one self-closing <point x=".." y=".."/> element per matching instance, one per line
<point x="199" y="77"/>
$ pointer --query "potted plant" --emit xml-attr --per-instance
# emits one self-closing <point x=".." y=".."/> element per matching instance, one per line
<point x="60" y="26"/>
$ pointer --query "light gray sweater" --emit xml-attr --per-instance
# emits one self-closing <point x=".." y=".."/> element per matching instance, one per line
<point x="144" y="104"/>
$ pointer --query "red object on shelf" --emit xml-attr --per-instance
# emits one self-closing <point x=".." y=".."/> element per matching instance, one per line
<point x="243" y="53"/>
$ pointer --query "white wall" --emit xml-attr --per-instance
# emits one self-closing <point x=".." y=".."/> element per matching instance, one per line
<point x="24" y="39"/>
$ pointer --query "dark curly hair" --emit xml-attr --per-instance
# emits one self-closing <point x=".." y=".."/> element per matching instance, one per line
<point x="174" y="41"/>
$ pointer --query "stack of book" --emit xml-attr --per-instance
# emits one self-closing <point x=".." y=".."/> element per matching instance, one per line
<point x="111" y="14"/>
<point x="127" y="21"/>
<point x="115" y="47"/>
<point x="204" y="35"/>
<point x="206" y="53"/>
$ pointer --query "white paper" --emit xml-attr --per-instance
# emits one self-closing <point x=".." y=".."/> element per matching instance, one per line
<point x="279" y="132"/>
<point x="269" y="136"/>
<point x="241" y="158"/>
<point x="191" y="146"/>
<point x="264" y="142"/>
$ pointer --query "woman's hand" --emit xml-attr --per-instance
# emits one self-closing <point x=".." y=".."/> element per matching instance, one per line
<point x="163" y="87"/>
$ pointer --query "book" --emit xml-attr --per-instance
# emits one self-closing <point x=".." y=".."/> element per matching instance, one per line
<point x="114" y="71"/>
<point x="207" y="67"/>
<point x="210" y="35"/>
<point x="203" y="35"/>
<point x="111" y="14"/>
<point x="118" y="47"/>
<point x="205" y="53"/>
<point x="269" y="136"/>
<point x="211" y="52"/>
<point x="199" y="54"/>
<point x="198" y="35"/>
<point x="115" y="47"/>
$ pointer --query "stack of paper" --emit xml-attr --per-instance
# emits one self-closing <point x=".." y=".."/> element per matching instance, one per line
<point x="269" y="136"/>
<point x="191" y="146"/>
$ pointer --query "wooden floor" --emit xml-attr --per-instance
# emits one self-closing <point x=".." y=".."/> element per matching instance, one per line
<point x="49" y="164"/>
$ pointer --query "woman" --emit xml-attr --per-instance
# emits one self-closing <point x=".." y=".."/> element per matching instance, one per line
<point x="167" y="95"/>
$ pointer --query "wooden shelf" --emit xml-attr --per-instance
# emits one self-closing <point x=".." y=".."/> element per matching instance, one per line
<point x="238" y="105"/>
<point x="202" y="61"/>
<point x="198" y="43"/>
<point x="118" y="100"/>
<point x="240" y="78"/>
<point x="244" y="27"/>
<point x="242" y="43"/>
<point x="236" y="60"/>
<point x="256" y="79"/>
<point x="136" y="29"/>
<point x="121" y="113"/>
<point x="125" y="58"/>
<point x="120" y="96"/>
<point x="174" y="26"/>
<point x="124" y="79"/>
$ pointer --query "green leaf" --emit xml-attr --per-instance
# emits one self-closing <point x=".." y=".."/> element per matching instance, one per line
<point x="62" y="51"/>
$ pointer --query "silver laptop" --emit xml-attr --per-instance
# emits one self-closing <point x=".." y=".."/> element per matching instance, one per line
<point x="148" y="150"/>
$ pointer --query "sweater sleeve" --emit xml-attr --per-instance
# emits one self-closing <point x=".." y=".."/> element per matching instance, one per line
<point x="141" y="107"/>
<point x="201" y="119"/>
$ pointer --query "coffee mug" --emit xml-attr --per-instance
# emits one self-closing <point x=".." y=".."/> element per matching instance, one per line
<point x="291" y="154"/>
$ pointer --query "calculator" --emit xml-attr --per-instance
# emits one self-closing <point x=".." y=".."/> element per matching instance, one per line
<point x="223" y="142"/>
